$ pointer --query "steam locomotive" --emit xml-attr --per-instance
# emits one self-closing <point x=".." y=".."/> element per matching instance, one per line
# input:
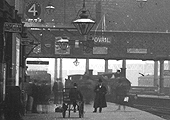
<point x="87" y="82"/>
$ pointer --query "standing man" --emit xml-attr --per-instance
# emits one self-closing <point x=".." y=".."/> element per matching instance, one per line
<point x="75" y="96"/>
<point x="100" y="99"/>
<point x="35" y="96"/>
<point x="55" y="92"/>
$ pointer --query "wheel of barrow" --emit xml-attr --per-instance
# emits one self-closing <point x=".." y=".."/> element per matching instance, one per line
<point x="81" y="111"/>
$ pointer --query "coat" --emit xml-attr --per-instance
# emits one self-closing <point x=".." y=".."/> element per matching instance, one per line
<point x="55" y="88"/>
<point x="75" y="94"/>
<point x="100" y="99"/>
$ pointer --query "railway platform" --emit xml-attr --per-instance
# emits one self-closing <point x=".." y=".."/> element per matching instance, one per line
<point x="109" y="113"/>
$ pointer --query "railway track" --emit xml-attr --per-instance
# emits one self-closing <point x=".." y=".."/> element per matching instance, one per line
<point x="159" y="111"/>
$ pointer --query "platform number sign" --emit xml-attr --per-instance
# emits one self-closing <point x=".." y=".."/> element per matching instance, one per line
<point x="33" y="10"/>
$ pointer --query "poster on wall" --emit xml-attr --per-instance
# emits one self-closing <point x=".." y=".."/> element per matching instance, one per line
<point x="17" y="74"/>
<point x="61" y="47"/>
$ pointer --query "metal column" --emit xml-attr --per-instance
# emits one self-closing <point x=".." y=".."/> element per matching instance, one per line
<point x="168" y="65"/>
<point x="155" y="74"/>
<point x="87" y="66"/>
<point x="106" y="66"/>
<point x="61" y="66"/>
<point x="55" y="70"/>
<point x="161" y="80"/>
<point x="14" y="59"/>
<point x="123" y="69"/>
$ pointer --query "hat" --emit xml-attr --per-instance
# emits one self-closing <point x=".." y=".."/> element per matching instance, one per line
<point x="75" y="84"/>
<point x="100" y="80"/>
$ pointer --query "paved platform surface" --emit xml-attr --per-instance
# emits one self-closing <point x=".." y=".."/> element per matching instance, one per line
<point x="109" y="113"/>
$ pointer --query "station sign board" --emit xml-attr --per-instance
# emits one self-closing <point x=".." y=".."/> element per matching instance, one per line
<point x="38" y="62"/>
<point x="136" y="50"/>
<point x="102" y="40"/>
<point x="100" y="50"/>
<point x="13" y="27"/>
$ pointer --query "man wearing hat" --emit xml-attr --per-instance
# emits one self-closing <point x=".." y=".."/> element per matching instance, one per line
<point x="100" y="99"/>
<point x="75" y="95"/>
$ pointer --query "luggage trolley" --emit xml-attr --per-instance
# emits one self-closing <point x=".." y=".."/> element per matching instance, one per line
<point x="68" y="104"/>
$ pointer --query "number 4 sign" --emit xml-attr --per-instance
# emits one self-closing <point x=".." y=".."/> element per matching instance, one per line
<point x="33" y="10"/>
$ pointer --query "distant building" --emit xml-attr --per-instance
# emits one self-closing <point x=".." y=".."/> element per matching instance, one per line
<point x="148" y="80"/>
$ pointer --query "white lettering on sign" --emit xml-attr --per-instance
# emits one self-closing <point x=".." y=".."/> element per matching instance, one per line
<point x="102" y="40"/>
<point x="33" y="9"/>
<point x="136" y="50"/>
<point x="12" y="27"/>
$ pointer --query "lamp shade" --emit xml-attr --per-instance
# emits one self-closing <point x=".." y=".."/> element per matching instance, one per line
<point x="50" y="8"/>
<point x="83" y="23"/>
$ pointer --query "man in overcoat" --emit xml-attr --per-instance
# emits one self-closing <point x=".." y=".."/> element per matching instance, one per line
<point x="100" y="99"/>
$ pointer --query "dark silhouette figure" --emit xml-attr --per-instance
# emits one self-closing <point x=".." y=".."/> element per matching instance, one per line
<point x="13" y="104"/>
<point x="45" y="92"/>
<point x="75" y="95"/>
<point x="55" y="92"/>
<point x="122" y="90"/>
<point x="100" y="100"/>
<point x="35" y="97"/>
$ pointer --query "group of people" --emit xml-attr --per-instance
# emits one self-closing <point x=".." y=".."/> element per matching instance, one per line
<point x="57" y="91"/>
<point x="37" y="96"/>
<point x="41" y="94"/>
<point x="100" y="94"/>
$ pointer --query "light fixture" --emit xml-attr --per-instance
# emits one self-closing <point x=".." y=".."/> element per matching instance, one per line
<point x="76" y="62"/>
<point x="50" y="8"/>
<point x="83" y="21"/>
<point x="141" y="3"/>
